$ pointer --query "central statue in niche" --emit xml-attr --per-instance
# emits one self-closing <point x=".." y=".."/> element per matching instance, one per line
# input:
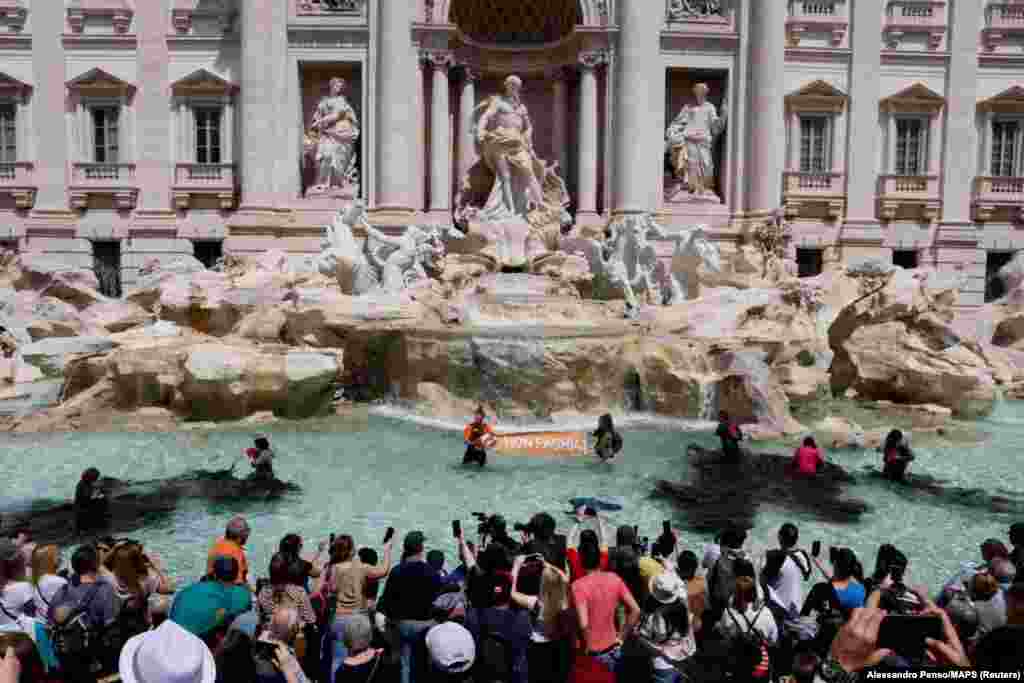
<point x="511" y="199"/>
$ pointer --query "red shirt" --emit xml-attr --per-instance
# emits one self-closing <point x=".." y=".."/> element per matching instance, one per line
<point x="600" y="594"/>
<point x="807" y="459"/>
<point x="576" y="566"/>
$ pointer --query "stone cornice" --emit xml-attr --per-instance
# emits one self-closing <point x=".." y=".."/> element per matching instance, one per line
<point x="120" y="13"/>
<point x="12" y="86"/>
<point x="682" y="41"/>
<point x="100" y="42"/>
<point x="330" y="8"/>
<point x="819" y="55"/>
<point x="898" y="57"/>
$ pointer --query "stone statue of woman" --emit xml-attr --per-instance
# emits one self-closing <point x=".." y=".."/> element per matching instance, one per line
<point x="334" y="132"/>
<point x="690" y="139"/>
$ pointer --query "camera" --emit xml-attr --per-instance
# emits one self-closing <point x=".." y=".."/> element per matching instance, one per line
<point x="898" y="599"/>
<point x="490" y="525"/>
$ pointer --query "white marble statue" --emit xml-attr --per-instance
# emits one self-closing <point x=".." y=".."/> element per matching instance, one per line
<point x="384" y="263"/>
<point x="627" y="260"/>
<point x="690" y="139"/>
<point x="504" y="135"/>
<point x="332" y="138"/>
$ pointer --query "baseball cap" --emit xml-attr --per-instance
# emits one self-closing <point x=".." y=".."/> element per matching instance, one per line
<point x="451" y="647"/>
<point x="413" y="542"/>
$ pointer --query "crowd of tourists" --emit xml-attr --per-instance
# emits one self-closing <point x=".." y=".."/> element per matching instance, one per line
<point x="530" y="606"/>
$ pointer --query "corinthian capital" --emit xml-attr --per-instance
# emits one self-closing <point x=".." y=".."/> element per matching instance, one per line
<point x="438" y="59"/>
<point x="594" y="58"/>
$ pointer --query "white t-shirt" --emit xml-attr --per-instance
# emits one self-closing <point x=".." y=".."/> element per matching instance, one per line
<point x="790" y="588"/>
<point x="46" y="591"/>
<point x="13" y="599"/>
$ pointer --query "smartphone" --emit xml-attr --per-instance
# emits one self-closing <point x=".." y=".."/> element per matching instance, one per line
<point x="816" y="549"/>
<point x="264" y="650"/>
<point x="456" y="528"/>
<point x="905" y="634"/>
<point x="636" y="531"/>
<point x="332" y="540"/>
<point x="666" y="528"/>
<point x="389" y="534"/>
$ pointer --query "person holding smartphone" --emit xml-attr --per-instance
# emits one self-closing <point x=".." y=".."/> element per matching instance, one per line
<point x="346" y="580"/>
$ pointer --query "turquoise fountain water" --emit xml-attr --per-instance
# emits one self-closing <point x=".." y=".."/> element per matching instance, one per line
<point x="390" y="471"/>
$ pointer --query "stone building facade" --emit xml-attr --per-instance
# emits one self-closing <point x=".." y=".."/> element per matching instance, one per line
<point x="133" y="129"/>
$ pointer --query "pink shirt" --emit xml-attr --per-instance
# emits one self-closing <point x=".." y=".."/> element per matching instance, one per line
<point x="601" y="593"/>
<point x="806" y="459"/>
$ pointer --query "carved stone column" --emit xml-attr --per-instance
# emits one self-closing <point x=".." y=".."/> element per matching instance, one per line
<point x="767" y="150"/>
<point x="559" y="77"/>
<point x="467" y="102"/>
<point x="586" y="200"/>
<point x="439" y="61"/>
<point x="399" y="171"/>
<point x="640" y="92"/>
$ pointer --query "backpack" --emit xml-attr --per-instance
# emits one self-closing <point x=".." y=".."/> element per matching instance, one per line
<point x="75" y="639"/>
<point x="130" y="621"/>
<point x="616" y="442"/>
<point x="494" y="657"/>
<point x="749" y="651"/>
<point x="723" y="578"/>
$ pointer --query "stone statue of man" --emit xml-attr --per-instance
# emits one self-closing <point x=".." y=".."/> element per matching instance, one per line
<point x="690" y="139"/>
<point x="504" y="133"/>
<point x="335" y="129"/>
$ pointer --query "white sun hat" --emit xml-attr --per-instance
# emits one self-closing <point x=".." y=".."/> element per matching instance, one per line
<point x="168" y="654"/>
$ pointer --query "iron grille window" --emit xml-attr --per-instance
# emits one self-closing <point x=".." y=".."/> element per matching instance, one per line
<point x="910" y="147"/>
<point x="814" y="144"/>
<point x="105" y="135"/>
<point x="208" y="135"/>
<point x="1005" y="148"/>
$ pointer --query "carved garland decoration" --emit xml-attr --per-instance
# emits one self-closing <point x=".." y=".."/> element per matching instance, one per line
<point x="684" y="10"/>
<point x="331" y="6"/>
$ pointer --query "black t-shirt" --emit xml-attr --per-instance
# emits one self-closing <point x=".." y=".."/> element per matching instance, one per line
<point x="410" y="592"/>
<point x="822" y="599"/>
<point x="1017" y="558"/>
<point x="83" y="493"/>
<point x="1001" y="650"/>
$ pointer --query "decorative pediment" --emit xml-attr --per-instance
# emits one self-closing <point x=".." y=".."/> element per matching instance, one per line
<point x="817" y="96"/>
<point x="1010" y="101"/>
<point x="203" y="82"/>
<point x="96" y="81"/>
<point x="119" y="12"/>
<point x="916" y="99"/>
<point x="10" y="86"/>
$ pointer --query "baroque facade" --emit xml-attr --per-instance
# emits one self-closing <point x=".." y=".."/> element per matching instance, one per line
<point x="139" y="129"/>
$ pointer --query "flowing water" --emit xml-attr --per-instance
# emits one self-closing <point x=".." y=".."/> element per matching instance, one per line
<point x="359" y="477"/>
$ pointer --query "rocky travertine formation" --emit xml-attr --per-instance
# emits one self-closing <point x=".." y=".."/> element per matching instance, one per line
<point x="273" y="334"/>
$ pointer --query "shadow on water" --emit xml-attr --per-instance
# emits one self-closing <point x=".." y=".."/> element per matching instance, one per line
<point x="718" y="494"/>
<point x="134" y="505"/>
<point x="935" y="491"/>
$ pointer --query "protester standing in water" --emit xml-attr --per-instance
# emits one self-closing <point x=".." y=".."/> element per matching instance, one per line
<point x="730" y="435"/>
<point x="479" y="437"/>
<point x="807" y="459"/>
<point x="896" y="456"/>
<point x="607" y="441"/>
<point x="261" y="458"/>
<point x="90" y="503"/>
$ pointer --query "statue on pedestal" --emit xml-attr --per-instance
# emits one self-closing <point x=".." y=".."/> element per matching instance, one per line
<point x="331" y="142"/>
<point x="689" y="141"/>
<point x="511" y="198"/>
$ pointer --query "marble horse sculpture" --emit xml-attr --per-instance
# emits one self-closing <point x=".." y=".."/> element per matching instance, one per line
<point x="384" y="263"/>
<point x="626" y="259"/>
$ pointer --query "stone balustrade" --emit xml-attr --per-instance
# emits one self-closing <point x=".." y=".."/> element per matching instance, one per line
<point x="1003" y="20"/>
<point x="817" y="16"/>
<point x="115" y="183"/>
<point x="998" y="194"/>
<point x="900" y="193"/>
<point x="16" y="181"/>
<point x="915" y="16"/>
<point x="803" y="191"/>
<point x="193" y="181"/>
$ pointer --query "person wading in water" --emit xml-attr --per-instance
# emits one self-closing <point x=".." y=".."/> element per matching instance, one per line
<point x="479" y="438"/>
<point x="896" y="456"/>
<point x="261" y="458"/>
<point x="730" y="435"/>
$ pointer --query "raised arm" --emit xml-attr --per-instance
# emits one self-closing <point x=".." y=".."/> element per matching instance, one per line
<point x="381" y="570"/>
<point x="520" y="599"/>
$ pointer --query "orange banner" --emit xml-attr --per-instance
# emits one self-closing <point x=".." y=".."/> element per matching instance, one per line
<point x="542" y="443"/>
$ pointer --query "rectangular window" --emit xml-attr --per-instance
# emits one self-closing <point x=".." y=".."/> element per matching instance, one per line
<point x="808" y="262"/>
<point x="1005" y="148"/>
<point x="208" y="135"/>
<point x="8" y="134"/>
<point x="994" y="262"/>
<point x="815" y="144"/>
<point x="106" y="263"/>
<point x="911" y="147"/>
<point x="105" y="135"/>
<point x="905" y="258"/>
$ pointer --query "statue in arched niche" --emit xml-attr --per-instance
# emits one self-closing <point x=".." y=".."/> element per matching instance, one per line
<point x="331" y="141"/>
